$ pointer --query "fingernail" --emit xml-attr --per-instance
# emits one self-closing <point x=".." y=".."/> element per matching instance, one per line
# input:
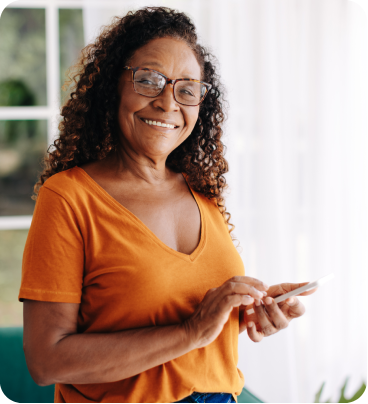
<point x="291" y="300"/>
<point x="250" y="324"/>
<point x="265" y="286"/>
<point x="264" y="293"/>
<point x="257" y="302"/>
<point x="268" y="300"/>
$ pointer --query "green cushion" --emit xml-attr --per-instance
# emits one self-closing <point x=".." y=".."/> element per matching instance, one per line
<point x="15" y="380"/>
<point x="17" y="384"/>
<point x="247" y="397"/>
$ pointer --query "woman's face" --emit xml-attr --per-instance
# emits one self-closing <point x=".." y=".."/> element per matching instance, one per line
<point x="175" y="60"/>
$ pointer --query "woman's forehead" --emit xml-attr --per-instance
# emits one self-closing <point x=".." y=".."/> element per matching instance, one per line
<point x="170" y="56"/>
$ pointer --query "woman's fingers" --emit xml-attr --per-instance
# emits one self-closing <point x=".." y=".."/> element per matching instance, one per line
<point x="253" y="334"/>
<point x="282" y="288"/>
<point x="277" y="319"/>
<point x="246" y="299"/>
<point x="237" y="285"/>
<point x="263" y="321"/>
<point x="292" y="308"/>
<point x="269" y="317"/>
<point x="213" y="312"/>
<point x="248" y="280"/>
<point x="308" y="292"/>
<point x="230" y="301"/>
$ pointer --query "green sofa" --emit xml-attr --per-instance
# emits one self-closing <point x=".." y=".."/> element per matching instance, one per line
<point x="17" y="384"/>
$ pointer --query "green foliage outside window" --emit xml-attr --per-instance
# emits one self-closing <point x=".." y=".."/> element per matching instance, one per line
<point x="23" y="51"/>
<point x="14" y="92"/>
<point x="22" y="147"/>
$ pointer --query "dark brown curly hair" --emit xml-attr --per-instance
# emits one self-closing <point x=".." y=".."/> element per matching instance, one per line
<point x="88" y="129"/>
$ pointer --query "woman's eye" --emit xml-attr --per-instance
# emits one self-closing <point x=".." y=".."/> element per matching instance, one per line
<point x="147" y="82"/>
<point x="186" y="91"/>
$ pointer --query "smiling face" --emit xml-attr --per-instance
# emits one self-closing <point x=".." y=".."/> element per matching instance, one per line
<point x="175" y="60"/>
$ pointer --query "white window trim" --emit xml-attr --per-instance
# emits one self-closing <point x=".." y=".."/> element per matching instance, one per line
<point x="15" y="222"/>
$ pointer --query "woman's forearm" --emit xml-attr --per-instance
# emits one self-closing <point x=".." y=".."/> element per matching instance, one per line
<point x="57" y="353"/>
<point x="102" y="358"/>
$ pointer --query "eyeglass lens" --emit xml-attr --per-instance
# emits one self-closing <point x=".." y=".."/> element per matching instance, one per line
<point x="151" y="84"/>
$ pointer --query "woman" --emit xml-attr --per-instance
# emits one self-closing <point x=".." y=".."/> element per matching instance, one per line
<point x="133" y="290"/>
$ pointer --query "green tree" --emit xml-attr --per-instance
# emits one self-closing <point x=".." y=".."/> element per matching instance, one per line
<point x="23" y="50"/>
<point x="16" y="93"/>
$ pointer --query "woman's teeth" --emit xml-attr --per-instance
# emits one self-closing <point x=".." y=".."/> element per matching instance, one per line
<point x="157" y="123"/>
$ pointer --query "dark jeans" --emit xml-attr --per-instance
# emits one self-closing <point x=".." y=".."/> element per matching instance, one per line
<point x="208" y="398"/>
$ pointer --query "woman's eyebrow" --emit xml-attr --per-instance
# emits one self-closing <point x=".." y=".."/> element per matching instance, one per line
<point x="159" y="65"/>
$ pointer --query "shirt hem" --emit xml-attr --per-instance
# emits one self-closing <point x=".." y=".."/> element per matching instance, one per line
<point x="48" y="296"/>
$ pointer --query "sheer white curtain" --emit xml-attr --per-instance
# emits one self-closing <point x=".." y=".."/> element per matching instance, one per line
<point x="295" y="71"/>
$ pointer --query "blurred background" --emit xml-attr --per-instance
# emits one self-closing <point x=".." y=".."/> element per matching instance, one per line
<point x="296" y="137"/>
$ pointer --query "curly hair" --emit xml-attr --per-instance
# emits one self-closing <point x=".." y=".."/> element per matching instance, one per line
<point x="88" y="129"/>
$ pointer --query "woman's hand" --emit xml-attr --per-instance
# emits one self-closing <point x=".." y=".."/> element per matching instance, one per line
<point x="213" y="312"/>
<point x="271" y="317"/>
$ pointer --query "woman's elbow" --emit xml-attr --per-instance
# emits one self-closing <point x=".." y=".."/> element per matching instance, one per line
<point x="39" y="375"/>
<point x="41" y="382"/>
<point x="37" y="367"/>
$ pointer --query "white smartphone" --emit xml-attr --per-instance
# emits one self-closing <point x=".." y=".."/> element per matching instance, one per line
<point x="309" y="286"/>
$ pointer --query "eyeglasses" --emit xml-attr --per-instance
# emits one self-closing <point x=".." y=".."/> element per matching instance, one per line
<point x="151" y="83"/>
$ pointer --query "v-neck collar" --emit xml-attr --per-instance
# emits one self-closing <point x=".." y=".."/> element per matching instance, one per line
<point x="112" y="201"/>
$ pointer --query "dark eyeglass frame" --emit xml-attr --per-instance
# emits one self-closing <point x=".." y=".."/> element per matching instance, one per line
<point x="167" y="81"/>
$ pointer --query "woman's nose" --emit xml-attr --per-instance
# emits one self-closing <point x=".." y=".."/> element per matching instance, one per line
<point x="166" y="100"/>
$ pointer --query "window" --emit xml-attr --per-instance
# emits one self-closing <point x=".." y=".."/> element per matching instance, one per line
<point x="39" y="41"/>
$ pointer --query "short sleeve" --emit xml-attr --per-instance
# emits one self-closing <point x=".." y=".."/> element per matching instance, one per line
<point x="53" y="257"/>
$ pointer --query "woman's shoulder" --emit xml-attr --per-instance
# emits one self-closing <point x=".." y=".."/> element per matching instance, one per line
<point x="66" y="183"/>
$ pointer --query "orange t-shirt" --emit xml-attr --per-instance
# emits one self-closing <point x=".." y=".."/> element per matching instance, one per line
<point x="85" y="247"/>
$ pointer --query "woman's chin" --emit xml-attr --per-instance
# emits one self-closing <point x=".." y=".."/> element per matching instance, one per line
<point x="161" y="150"/>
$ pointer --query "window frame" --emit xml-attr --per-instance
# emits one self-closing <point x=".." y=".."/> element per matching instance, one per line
<point x="50" y="112"/>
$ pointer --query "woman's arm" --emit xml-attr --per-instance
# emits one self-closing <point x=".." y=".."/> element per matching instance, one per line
<point x="56" y="353"/>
